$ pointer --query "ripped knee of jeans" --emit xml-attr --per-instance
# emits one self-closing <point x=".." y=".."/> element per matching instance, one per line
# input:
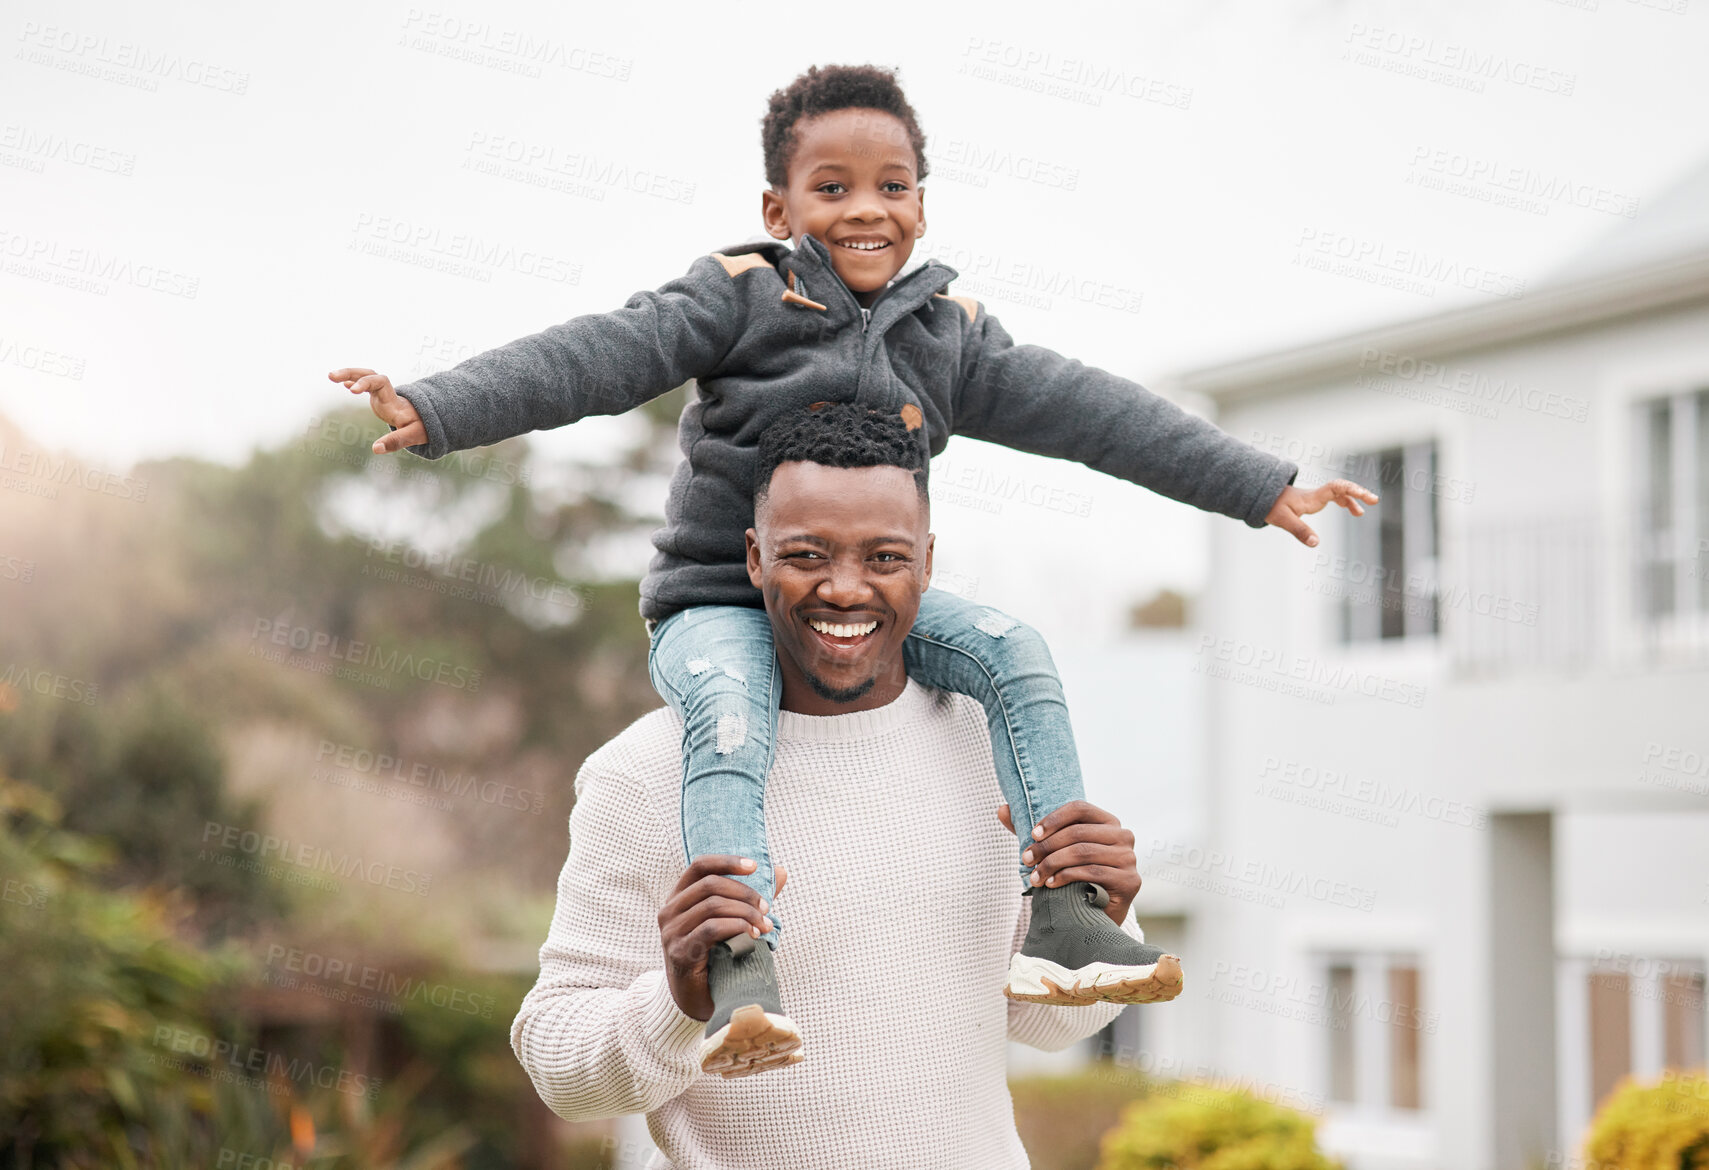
<point x="699" y="666"/>
<point x="732" y="732"/>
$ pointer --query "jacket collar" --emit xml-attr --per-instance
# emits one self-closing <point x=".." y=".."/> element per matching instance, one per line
<point x="914" y="286"/>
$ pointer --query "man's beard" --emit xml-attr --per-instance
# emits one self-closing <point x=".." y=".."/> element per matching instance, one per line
<point x="838" y="694"/>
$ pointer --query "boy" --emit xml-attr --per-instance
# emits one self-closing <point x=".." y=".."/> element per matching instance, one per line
<point x="766" y="330"/>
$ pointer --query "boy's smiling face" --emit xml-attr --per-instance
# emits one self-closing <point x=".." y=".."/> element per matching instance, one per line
<point x="853" y="186"/>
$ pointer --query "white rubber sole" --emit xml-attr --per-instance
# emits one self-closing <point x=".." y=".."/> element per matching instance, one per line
<point x="754" y="1041"/>
<point x="1042" y="981"/>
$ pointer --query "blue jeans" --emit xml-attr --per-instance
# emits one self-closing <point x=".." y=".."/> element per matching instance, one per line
<point x="716" y="666"/>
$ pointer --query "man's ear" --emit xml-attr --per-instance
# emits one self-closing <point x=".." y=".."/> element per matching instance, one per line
<point x="774" y="214"/>
<point x="920" y="197"/>
<point x="931" y="545"/>
<point x="753" y="540"/>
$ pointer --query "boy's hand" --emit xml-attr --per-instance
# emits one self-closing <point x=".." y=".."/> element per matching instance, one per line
<point x="388" y="406"/>
<point x="1080" y="842"/>
<point x="703" y="910"/>
<point x="1295" y="502"/>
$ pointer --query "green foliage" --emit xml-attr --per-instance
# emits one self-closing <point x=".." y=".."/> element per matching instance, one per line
<point x="102" y="998"/>
<point x="1196" y="1127"/>
<point x="147" y="778"/>
<point x="91" y="978"/>
<point x="1659" y="1126"/>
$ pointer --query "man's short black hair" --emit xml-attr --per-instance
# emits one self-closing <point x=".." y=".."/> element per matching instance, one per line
<point x="842" y="434"/>
<point x="834" y="87"/>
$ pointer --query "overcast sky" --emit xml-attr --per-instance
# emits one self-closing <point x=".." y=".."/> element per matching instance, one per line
<point x="187" y="190"/>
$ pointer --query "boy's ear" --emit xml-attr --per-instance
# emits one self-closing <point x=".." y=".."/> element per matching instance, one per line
<point x="774" y="214"/>
<point x="753" y="542"/>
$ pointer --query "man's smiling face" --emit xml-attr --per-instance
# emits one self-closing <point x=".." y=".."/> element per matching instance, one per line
<point x="853" y="186"/>
<point x="842" y="556"/>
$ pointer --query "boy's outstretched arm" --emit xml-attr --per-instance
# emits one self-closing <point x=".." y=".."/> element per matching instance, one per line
<point x="1034" y="399"/>
<point x="598" y="363"/>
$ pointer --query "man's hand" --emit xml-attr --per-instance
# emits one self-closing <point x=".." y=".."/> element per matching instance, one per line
<point x="1080" y="842"/>
<point x="391" y="409"/>
<point x="705" y="909"/>
<point x="1296" y="502"/>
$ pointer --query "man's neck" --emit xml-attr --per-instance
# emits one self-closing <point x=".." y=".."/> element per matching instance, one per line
<point x="800" y="697"/>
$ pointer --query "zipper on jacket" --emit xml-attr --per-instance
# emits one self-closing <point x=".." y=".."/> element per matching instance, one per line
<point x="865" y="318"/>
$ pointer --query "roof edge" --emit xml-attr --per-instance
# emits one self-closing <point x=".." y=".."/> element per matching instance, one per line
<point x="1552" y="309"/>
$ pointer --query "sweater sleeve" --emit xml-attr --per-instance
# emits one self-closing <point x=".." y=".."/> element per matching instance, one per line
<point x="600" y="1033"/>
<point x="1054" y="1027"/>
<point x="599" y="363"/>
<point x="1034" y="399"/>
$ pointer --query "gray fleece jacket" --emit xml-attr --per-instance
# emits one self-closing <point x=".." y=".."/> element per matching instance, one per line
<point x="764" y="329"/>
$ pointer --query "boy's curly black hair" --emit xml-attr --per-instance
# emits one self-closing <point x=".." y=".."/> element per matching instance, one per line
<point x="833" y="87"/>
<point x="841" y="434"/>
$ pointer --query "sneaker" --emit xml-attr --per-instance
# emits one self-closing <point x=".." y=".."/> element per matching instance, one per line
<point x="1074" y="954"/>
<point x="748" y="1032"/>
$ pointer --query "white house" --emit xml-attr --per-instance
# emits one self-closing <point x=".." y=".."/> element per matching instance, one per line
<point x="1453" y="875"/>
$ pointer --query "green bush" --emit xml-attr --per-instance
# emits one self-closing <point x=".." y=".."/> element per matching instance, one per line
<point x="1660" y="1126"/>
<point x="100" y="986"/>
<point x="1195" y="1127"/>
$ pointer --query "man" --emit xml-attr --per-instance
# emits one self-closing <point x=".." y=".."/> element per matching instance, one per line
<point x="902" y="904"/>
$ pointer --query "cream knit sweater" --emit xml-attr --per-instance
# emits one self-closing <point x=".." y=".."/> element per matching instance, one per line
<point x="902" y="909"/>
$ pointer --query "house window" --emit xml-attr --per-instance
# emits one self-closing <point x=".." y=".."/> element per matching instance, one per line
<point x="1672" y="460"/>
<point x="1391" y="586"/>
<point x="1376" y="1024"/>
<point x="1642" y="1016"/>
